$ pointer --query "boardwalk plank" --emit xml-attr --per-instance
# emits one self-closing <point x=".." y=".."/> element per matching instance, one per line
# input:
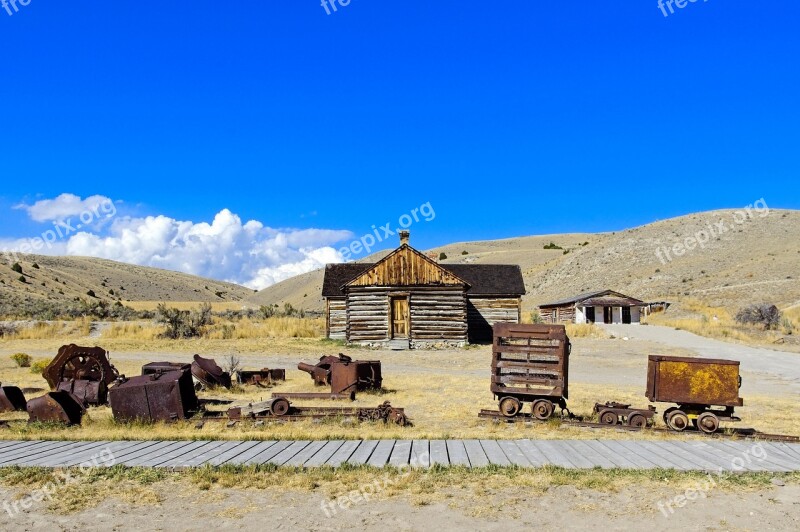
<point x="236" y="449"/>
<point x="247" y="456"/>
<point x="574" y="455"/>
<point x="363" y="453"/>
<point x="648" y="454"/>
<point x="720" y="460"/>
<point x="494" y="453"/>
<point x="532" y="453"/>
<point x="19" y="455"/>
<point x="740" y="451"/>
<point x="439" y="454"/>
<point x="343" y="453"/>
<point x="477" y="456"/>
<point x="146" y="450"/>
<point x="420" y="454"/>
<point x="457" y="453"/>
<point x="553" y="453"/>
<point x="793" y="450"/>
<point x="51" y="455"/>
<point x="401" y="454"/>
<point x="625" y="455"/>
<point x="118" y="449"/>
<point x="288" y="453"/>
<point x="776" y="449"/>
<point x="596" y="458"/>
<point x="380" y="456"/>
<point x="172" y="454"/>
<point x="61" y="458"/>
<point x="681" y="450"/>
<point x="514" y="453"/>
<point x="325" y="453"/>
<point x="620" y="462"/>
<point x="196" y="457"/>
<point x="306" y="454"/>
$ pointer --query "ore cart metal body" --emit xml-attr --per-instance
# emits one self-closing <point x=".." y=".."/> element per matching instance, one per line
<point x="696" y="385"/>
<point x="530" y="364"/>
<point x="166" y="396"/>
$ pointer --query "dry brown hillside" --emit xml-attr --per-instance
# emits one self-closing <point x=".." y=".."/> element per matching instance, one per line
<point x="65" y="278"/>
<point x="757" y="260"/>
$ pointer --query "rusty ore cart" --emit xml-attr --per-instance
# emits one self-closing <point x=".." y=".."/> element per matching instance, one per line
<point x="530" y="365"/>
<point x="696" y="385"/>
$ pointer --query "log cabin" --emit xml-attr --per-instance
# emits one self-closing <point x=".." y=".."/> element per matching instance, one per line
<point x="408" y="300"/>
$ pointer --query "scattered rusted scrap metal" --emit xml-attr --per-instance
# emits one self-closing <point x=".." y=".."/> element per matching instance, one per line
<point x="351" y="396"/>
<point x="56" y="407"/>
<point x="209" y="374"/>
<point x="85" y="371"/>
<point x="263" y="378"/>
<point x="280" y="409"/>
<point x="164" y="367"/>
<point x="165" y="396"/>
<point x="344" y="374"/>
<point x="11" y="399"/>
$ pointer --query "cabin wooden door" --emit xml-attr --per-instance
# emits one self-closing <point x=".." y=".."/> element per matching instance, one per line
<point x="590" y="315"/>
<point x="608" y="315"/>
<point x="626" y="314"/>
<point x="399" y="317"/>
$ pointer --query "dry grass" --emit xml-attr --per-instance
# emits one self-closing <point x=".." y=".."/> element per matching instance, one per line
<point x="43" y="330"/>
<point x="585" y="330"/>
<point x="475" y="487"/>
<point x="216" y="306"/>
<point x="704" y="320"/>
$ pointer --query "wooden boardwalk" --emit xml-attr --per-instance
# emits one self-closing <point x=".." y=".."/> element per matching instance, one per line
<point x="708" y="455"/>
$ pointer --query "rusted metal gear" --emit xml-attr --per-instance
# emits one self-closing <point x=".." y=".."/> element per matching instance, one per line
<point x="510" y="406"/>
<point x="74" y="362"/>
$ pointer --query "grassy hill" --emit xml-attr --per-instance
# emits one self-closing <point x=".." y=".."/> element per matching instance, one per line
<point x="756" y="260"/>
<point x="62" y="279"/>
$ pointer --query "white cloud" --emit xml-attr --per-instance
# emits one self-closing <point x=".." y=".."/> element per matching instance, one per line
<point x="69" y="205"/>
<point x="250" y="254"/>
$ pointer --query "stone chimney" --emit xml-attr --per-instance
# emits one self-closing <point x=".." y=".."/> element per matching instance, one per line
<point x="404" y="236"/>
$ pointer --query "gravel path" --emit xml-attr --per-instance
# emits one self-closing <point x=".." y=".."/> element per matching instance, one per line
<point x="778" y="367"/>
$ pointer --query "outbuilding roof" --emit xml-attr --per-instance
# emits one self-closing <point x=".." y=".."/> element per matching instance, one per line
<point x="598" y="298"/>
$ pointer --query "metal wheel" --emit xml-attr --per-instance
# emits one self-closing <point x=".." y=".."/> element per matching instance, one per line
<point x="510" y="406"/>
<point x="708" y="423"/>
<point x="678" y="421"/>
<point x="667" y="413"/>
<point x="280" y="406"/>
<point x="608" y="418"/>
<point x="637" y="420"/>
<point x="542" y="409"/>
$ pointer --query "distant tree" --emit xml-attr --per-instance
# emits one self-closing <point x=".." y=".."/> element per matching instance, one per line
<point x="763" y="314"/>
<point x="35" y="266"/>
<point x="552" y="245"/>
<point x="442" y="256"/>
<point x="22" y="279"/>
<point x="17" y="267"/>
<point x="465" y="252"/>
<point x="91" y="293"/>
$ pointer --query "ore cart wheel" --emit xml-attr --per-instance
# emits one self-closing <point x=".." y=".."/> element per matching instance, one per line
<point x="280" y="407"/>
<point x="637" y="420"/>
<point x="708" y="423"/>
<point x="678" y="421"/>
<point x="608" y="417"/>
<point x="542" y="409"/>
<point x="510" y="406"/>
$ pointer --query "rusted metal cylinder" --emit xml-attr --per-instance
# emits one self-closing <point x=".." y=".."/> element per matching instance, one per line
<point x="56" y="407"/>
<point x="12" y="399"/>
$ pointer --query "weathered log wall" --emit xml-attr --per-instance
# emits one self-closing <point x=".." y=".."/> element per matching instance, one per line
<point x="483" y="313"/>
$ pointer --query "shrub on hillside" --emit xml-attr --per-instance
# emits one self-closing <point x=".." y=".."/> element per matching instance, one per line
<point x="182" y="323"/>
<point x="762" y="314"/>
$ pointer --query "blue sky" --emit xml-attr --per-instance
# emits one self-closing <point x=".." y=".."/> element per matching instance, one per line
<point x="508" y="118"/>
